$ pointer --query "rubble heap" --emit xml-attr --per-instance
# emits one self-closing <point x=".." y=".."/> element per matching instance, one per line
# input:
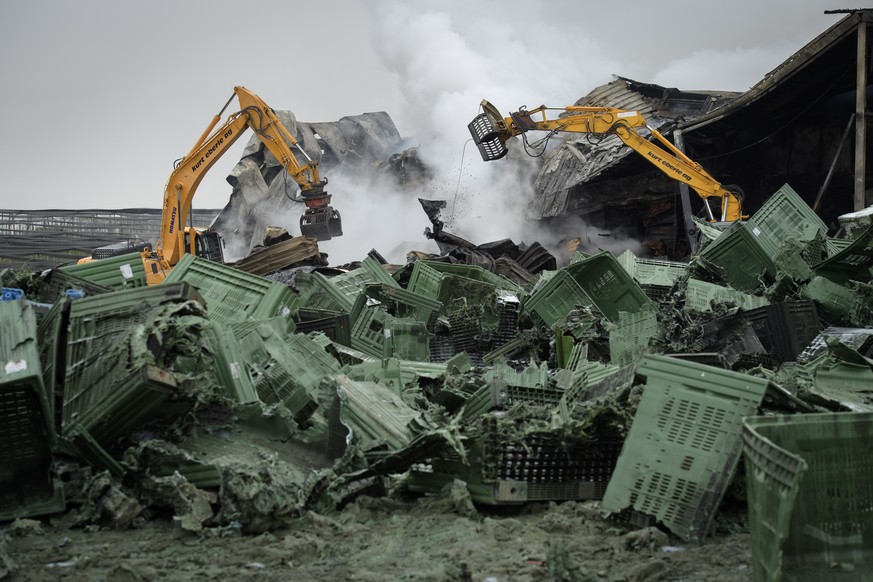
<point x="243" y="396"/>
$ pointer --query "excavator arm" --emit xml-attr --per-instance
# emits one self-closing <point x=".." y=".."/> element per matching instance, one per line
<point x="320" y="219"/>
<point x="490" y="131"/>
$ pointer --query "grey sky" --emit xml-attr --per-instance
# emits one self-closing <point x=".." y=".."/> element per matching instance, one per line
<point x="101" y="96"/>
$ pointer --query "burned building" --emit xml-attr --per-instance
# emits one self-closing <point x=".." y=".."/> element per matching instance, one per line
<point x="799" y="125"/>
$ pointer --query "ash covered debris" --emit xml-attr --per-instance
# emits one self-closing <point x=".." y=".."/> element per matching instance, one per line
<point x="237" y="397"/>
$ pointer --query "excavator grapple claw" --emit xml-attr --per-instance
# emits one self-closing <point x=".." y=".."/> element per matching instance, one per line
<point x="487" y="138"/>
<point x="322" y="223"/>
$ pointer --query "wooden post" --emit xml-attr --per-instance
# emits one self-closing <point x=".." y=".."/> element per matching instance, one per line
<point x="860" y="117"/>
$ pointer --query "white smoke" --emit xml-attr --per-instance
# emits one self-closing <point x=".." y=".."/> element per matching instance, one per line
<point x="377" y="214"/>
<point x="445" y="64"/>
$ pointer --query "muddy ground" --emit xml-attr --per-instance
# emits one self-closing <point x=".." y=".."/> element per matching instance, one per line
<point x="436" y="538"/>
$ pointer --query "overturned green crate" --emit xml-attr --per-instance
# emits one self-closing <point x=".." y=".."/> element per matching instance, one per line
<point x="453" y="290"/>
<point x="401" y="302"/>
<point x="554" y="298"/>
<point x="608" y="286"/>
<point x="539" y="466"/>
<point x="97" y="415"/>
<point x="229" y="368"/>
<point x="100" y="323"/>
<point x="379" y="334"/>
<point x="739" y="253"/>
<point x="119" y="348"/>
<point x="684" y="444"/>
<point x="318" y="292"/>
<point x="232" y="295"/>
<point x="286" y="369"/>
<point x="27" y="434"/>
<point x="655" y="277"/>
<point x="809" y="478"/>
<point x="784" y="215"/>
<point x="351" y="283"/>
<point x="700" y="295"/>
<point x="121" y="272"/>
<point x="334" y="324"/>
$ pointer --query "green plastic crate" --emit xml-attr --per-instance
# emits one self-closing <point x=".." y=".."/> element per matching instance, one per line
<point x="699" y="296"/>
<point x="554" y="299"/>
<point x="653" y="272"/>
<point x="684" y="443"/>
<point x="232" y="295"/>
<point x="318" y="292"/>
<point x="784" y="215"/>
<point x="809" y="488"/>
<point x="401" y="302"/>
<point x="334" y="324"/>
<point x="96" y="415"/>
<point x="425" y="280"/>
<point x="454" y="291"/>
<point x="52" y="334"/>
<point x="476" y="273"/>
<point x="229" y="368"/>
<point x="853" y="263"/>
<point x="286" y="369"/>
<point x="608" y="286"/>
<point x="739" y="253"/>
<point x="121" y="272"/>
<point x="834" y="300"/>
<point x="407" y="339"/>
<point x="380" y="334"/>
<point x="100" y="323"/>
<point x="631" y="335"/>
<point x="27" y="432"/>
<point x="540" y="466"/>
<point x="352" y="282"/>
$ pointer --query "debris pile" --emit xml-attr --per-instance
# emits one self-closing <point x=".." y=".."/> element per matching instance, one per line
<point x="242" y="396"/>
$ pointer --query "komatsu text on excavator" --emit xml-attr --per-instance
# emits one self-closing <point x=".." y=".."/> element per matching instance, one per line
<point x="490" y="132"/>
<point x="319" y="220"/>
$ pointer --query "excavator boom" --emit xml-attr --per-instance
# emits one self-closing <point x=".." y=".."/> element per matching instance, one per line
<point x="490" y="131"/>
<point x="320" y="220"/>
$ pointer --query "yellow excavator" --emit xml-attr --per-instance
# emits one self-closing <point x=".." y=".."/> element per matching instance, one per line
<point x="320" y="220"/>
<point x="490" y="131"/>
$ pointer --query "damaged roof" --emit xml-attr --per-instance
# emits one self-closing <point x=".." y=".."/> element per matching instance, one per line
<point x="584" y="158"/>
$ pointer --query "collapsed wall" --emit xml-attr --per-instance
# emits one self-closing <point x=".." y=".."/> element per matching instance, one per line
<point x="265" y="195"/>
